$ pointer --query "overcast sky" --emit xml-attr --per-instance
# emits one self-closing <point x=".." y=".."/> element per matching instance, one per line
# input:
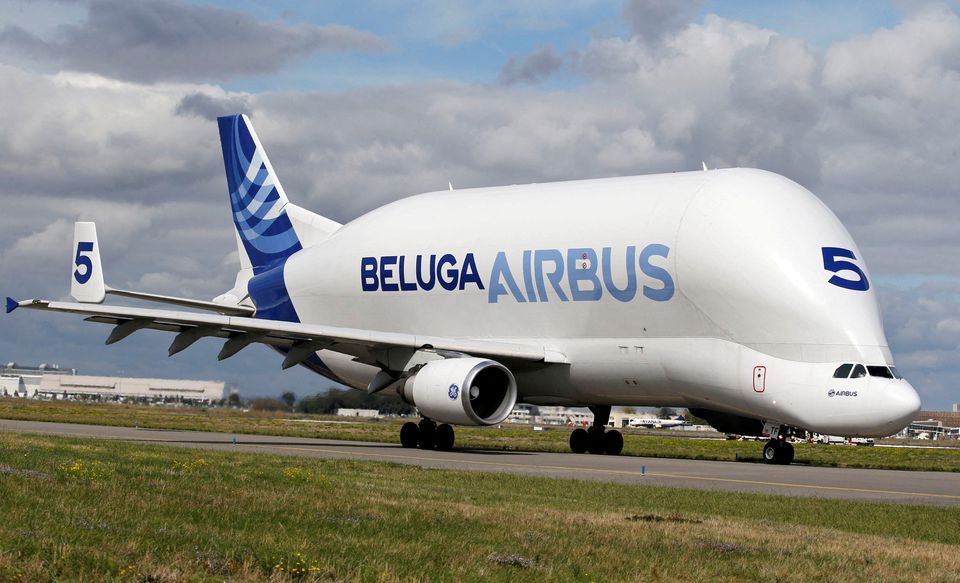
<point x="107" y="109"/>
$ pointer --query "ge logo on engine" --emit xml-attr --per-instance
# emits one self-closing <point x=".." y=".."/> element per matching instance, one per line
<point x="453" y="392"/>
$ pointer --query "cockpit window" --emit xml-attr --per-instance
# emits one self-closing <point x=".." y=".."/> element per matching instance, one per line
<point x="858" y="371"/>
<point x="896" y="375"/>
<point x="880" y="371"/>
<point x="843" y="371"/>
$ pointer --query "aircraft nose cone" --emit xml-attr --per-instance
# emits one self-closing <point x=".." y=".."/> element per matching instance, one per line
<point x="903" y="403"/>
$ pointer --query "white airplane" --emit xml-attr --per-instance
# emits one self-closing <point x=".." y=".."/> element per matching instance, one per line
<point x="733" y="293"/>
<point x="655" y="422"/>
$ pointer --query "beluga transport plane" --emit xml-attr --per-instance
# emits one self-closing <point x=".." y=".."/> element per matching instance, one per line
<point x="735" y="293"/>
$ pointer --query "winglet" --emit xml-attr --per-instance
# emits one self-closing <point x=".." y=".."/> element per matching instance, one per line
<point x="86" y="283"/>
<point x="12" y="304"/>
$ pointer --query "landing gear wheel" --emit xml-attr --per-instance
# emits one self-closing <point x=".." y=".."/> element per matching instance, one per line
<point x="595" y="441"/>
<point x="444" y="437"/>
<point x="787" y="451"/>
<point x="409" y="434"/>
<point x="777" y="451"/>
<point x="428" y="434"/>
<point x="578" y="440"/>
<point x="612" y="442"/>
<point x="771" y="451"/>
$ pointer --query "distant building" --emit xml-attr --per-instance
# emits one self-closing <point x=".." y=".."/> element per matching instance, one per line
<point x="620" y="419"/>
<point x="15" y="369"/>
<point x="53" y="382"/>
<point x="956" y="407"/>
<point x="369" y="413"/>
<point x="935" y="424"/>
<point x="523" y="414"/>
<point x="19" y="380"/>
<point x="946" y="418"/>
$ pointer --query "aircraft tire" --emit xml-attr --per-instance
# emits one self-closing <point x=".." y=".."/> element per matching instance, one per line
<point x="786" y="453"/>
<point x="595" y="441"/>
<point x="771" y="452"/>
<point x="578" y="440"/>
<point x="409" y="435"/>
<point x="428" y="435"/>
<point x="612" y="442"/>
<point x="444" y="437"/>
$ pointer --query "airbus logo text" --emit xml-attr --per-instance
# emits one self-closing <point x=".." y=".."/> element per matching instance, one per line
<point x="578" y="274"/>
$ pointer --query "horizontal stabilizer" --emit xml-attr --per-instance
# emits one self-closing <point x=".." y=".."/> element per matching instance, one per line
<point x="11" y="304"/>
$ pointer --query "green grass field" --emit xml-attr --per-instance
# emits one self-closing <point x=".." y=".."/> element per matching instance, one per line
<point x="510" y="437"/>
<point x="102" y="510"/>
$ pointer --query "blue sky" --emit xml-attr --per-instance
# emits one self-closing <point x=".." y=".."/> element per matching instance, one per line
<point x="469" y="41"/>
<point x="362" y="103"/>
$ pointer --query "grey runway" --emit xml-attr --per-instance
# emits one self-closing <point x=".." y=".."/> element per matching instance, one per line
<point x="939" y="488"/>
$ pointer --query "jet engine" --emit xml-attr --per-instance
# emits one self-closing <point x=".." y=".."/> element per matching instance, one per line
<point x="462" y="391"/>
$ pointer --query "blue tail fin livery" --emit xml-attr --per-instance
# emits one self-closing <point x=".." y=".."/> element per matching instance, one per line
<point x="269" y="227"/>
<point x="256" y="197"/>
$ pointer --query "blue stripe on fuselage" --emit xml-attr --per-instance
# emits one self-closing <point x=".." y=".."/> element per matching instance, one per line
<point x="268" y="290"/>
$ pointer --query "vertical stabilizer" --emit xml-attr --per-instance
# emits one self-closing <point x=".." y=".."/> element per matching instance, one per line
<point x="267" y="236"/>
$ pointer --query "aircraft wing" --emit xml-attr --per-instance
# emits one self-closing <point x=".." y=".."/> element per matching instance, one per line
<point x="299" y="340"/>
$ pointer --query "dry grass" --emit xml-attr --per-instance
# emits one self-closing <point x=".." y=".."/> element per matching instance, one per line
<point x="102" y="510"/>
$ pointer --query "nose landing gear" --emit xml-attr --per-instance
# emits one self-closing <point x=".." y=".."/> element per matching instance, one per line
<point x="597" y="440"/>
<point x="427" y="435"/>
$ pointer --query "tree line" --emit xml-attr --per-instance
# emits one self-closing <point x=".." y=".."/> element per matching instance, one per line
<point x="327" y="403"/>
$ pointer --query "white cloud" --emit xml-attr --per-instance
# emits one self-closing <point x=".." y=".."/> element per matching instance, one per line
<point x="171" y="40"/>
<point x="652" y="20"/>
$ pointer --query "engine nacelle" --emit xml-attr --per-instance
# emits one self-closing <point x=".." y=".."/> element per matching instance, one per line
<point x="462" y="391"/>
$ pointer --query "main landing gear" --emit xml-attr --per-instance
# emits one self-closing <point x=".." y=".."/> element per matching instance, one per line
<point x="427" y="435"/>
<point x="778" y="451"/>
<point x="597" y="439"/>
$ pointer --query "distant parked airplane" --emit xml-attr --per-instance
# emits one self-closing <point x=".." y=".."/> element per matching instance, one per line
<point x="733" y="293"/>
<point x="656" y="422"/>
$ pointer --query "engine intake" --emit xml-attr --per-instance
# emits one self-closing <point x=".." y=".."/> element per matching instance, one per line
<point x="462" y="391"/>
